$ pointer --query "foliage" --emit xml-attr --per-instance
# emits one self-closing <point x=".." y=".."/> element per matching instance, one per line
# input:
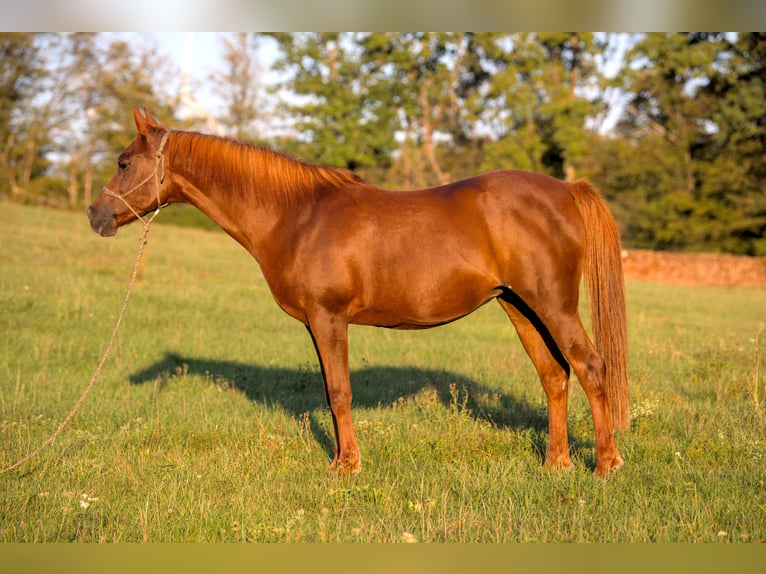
<point x="343" y="118"/>
<point x="239" y="85"/>
<point x="23" y="133"/>
<point x="535" y="104"/>
<point x="697" y="101"/>
<point x="209" y="421"/>
<point x="682" y="166"/>
<point x="69" y="115"/>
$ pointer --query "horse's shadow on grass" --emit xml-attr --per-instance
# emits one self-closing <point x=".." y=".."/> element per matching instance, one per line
<point x="299" y="390"/>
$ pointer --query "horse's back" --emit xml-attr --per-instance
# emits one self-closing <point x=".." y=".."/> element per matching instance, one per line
<point x="528" y="210"/>
<point x="498" y="220"/>
<point x="436" y="254"/>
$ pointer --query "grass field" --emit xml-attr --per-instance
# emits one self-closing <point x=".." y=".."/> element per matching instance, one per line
<point x="209" y="423"/>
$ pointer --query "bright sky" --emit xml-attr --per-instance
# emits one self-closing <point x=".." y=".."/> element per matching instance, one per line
<point x="200" y="52"/>
<point x="204" y="51"/>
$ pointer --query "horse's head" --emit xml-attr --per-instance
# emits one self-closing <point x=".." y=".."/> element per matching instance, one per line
<point x="137" y="187"/>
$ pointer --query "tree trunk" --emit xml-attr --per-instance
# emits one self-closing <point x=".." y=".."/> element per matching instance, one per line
<point x="428" y="144"/>
<point x="87" y="184"/>
<point x="72" y="188"/>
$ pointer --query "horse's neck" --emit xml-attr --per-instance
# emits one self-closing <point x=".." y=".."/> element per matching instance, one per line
<point x="247" y="190"/>
<point x="241" y="194"/>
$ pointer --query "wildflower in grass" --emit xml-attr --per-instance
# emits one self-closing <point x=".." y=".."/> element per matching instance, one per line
<point x="645" y="409"/>
<point x="86" y="501"/>
<point x="408" y="538"/>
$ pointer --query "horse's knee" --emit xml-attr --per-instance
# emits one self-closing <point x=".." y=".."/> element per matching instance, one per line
<point x="556" y="386"/>
<point x="339" y="399"/>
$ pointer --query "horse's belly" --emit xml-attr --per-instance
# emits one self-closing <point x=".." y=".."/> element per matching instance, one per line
<point x="421" y="301"/>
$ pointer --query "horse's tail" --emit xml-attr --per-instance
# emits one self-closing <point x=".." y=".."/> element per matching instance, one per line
<point x="606" y="295"/>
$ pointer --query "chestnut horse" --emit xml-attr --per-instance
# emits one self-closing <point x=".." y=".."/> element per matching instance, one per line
<point x="336" y="249"/>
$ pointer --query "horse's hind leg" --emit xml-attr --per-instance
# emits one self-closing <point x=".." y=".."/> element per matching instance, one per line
<point x="554" y="376"/>
<point x="570" y="336"/>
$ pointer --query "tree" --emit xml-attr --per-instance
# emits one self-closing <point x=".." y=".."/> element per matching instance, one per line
<point x="431" y="76"/>
<point x="66" y="105"/>
<point x="732" y="169"/>
<point x="109" y="76"/>
<point x="695" y="119"/>
<point x="22" y="134"/>
<point x="683" y="169"/>
<point x="340" y="111"/>
<point x="518" y="100"/>
<point x="239" y="85"/>
<point x="536" y="104"/>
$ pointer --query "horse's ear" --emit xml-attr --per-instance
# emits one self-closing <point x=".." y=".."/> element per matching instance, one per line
<point x="143" y="125"/>
<point x="152" y="122"/>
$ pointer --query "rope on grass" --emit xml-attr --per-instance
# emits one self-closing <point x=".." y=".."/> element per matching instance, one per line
<point x="141" y="245"/>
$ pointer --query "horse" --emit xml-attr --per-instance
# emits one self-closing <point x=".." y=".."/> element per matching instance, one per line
<point x="337" y="250"/>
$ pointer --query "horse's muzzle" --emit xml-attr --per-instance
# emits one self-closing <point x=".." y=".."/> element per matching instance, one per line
<point x="103" y="222"/>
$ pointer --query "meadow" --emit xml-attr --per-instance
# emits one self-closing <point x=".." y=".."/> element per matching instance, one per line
<point x="209" y="423"/>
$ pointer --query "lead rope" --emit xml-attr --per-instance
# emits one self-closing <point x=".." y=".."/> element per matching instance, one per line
<point x="159" y="163"/>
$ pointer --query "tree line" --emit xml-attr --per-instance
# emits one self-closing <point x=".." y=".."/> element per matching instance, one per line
<point x="669" y="126"/>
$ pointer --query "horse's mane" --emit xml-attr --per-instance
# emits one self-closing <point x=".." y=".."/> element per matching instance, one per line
<point x="259" y="174"/>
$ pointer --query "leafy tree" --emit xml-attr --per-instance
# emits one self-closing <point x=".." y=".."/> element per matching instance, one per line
<point x="21" y="135"/>
<point x="682" y="170"/>
<point x="431" y="77"/>
<point x="108" y="77"/>
<point x="732" y="168"/>
<point x="536" y="104"/>
<point x="66" y="104"/>
<point x="239" y="85"/>
<point x="341" y="112"/>
<point x="374" y="100"/>
<point x="695" y="117"/>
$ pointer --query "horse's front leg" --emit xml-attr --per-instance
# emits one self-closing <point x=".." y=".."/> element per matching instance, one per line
<point x="330" y="335"/>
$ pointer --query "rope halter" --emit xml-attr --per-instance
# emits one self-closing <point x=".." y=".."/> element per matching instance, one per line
<point x="158" y="175"/>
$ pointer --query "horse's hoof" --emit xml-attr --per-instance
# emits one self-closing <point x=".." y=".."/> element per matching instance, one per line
<point x="561" y="463"/>
<point x="342" y="468"/>
<point x="604" y="470"/>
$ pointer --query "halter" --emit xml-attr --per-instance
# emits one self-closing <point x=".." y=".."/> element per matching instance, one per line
<point x="158" y="175"/>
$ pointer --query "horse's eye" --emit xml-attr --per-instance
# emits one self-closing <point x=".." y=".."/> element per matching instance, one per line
<point x="122" y="164"/>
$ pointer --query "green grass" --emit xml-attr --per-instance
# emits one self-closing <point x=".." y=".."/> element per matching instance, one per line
<point x="209" y="423"/>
